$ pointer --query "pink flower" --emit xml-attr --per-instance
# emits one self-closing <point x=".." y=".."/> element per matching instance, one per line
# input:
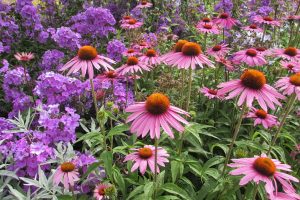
<point x="131" y="24"/>
<point x="100" y="190"/>
<point x="251" y="85"/>
<point x="263" y="51"/>
<point x="131" y="52"/>
<point x="141" y="45"/>
<point x="291" y="66"/>
<point x="190" y="56"/>
<point x="262" y="117"/>
<point x="290" y="53"/>
<point x="210" y="93"/>
<point x="145" y="156"/>
<point x="67" y="174"/>
<point x="86" y="59"/>
<point x="144" y="4"/>
<point x="227" y="63"/>
<point x="264" y="169"/>
<point x="249" y="56"/>
<point x="133" y="65"/>
<point x="219" y="50"/>
<point x="205" y="20"/>
<point x="266" y="20"/>
<point x="24" y="56"/>
<point x="289" y="85"/>
<point x="208" y="28"/>
<point x="151" y="58"/>
<point x="125" y="19"/>
<point x="225" y="20"/>
<point x="109" y="76"/>
<point x="253" y="28"/>
<point x="154" y="113"/>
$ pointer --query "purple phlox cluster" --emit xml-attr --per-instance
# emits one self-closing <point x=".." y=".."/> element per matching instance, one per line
<point x="9" y="31"/>
<point x="117" y="9"/>
<point x="58" y="126"/>
<point x="43" y="36"/>
<point x="5" y="137"/>
<point x="95" y="22"/>
<point x="4" y="7"/>
<point x="51" y="60"/>
<point x="31" y="20"/>
<point x="53" y="88"/>
<point x="20" y="104"/>
<point x="115" y="49"/>
<point x="22" y="3"/>
<point x="4" y="66"/>
<point x="224" y="6"/>
<point x="66" y="38"/>
<point x="49" y="8"/>
<point x="137" y="13"/>
<point x="150" y="38"/>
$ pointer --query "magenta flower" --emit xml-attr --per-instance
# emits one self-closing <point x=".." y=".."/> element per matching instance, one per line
<point x="249" y="56"/>
<point x="133" y="65"/>
<point x="154" y="113"/>
<point x="263" y="169"/>
<point x="251" y="85"/>
<point x="266" y="20"/>
<point x="190" y="56"/>
<point x="289" y="85"/>
<point x="225" y="21"/>
<point x="219" y="50"/>
<point x="86" y="59"/>
<point x="291" y="66"/>
<point x="109" y="76"/>
<point x="290" y="53"/>
<point x="262" y="117"/>
<point x="151" y="58"/>
<point x="263" y="51"/>
<point x="67" y="174"/>
<point x="141" y="45"/>
<point x="144" y="4"/>
<point x="131" y="24"/>
<point x="131" y="52"/>
<point x="125" y="19"/>
<point x="227" y="63"/>
<point x="100" y="191"/>
<point x="205" y="20"/>
<point x="145" y="156"/>
<point x="24" y="56"/>
<point x="253" y="28"/>
<point x="211" y="93"/>
<point x="208" y="28"/>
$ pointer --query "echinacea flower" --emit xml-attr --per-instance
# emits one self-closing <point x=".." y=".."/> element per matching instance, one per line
<point x="131" y="52"/>
<point x="144" y="4"/>
<point x="253" y="28"/>
<point x="208" y="28"/>
<point x="154" y="113"/>
<point x="219" y="50"/>
<point x="262" y="117"/>
<point x="263" y="51"/>
<point x="291" y="66"/>
<point x="225" y="21"/>
<point x="133" y="65"/>
<point x="177" y="48"/>
<point x="24" y="56"/>
<point x="267" y="170"/>
<point x="131" y="24"/>
<point x="190" y="56"/>
<point x="145" y="156"/>
<point x="290" y="53"/>
<point x="266" y="20"/>
<point x="227" y="63"/>
<point x="109" y="76"/>
<point x="251" y="85"/>
<point x="151" y="58"/>
<point x="210" y="93"/>
<point x="141" y="45"/>
<point x="87" y="58"/>
<point x="125" y="19"/>
<point x="67" y="174"/>
<point x="249" y="56"/>
<point x="204" y="20"/>
<point x="100" y="191"/>
<point x="289" y="85"/>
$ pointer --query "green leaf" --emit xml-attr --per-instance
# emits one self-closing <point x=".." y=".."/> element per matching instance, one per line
<point x="107" y="158"/>
<point x="8" y="173"/>
<point x="90" y="169"/>
<point x="136" y="191"/>
<point x="168" y="197"/>
<point x="118" y="130"/>
<point x="177" y="168"/>
<point x="148" y="190"/>
<point x="16" y="193"/>
<point x="174" y="189"/>
<point x="119" y="180"/>
<point x="65" y="197"/>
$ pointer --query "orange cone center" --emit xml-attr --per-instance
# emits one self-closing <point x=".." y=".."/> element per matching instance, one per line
<point x="253" y="79"/>
<point x="157" y="104"/>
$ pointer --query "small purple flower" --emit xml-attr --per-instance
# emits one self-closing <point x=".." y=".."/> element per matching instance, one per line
<point x="51" y="60"/>
<point x="115" y="48"/>
<point x="66" y="38"/>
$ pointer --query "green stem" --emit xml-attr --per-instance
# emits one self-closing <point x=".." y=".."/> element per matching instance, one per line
<point x="235" y="134"/>
<point x="94" y="96"/>
<point x="182" y="87"/>
<point x="189" y="89"/>
<point x="264" y="33"/>
<point x="155" y="168"/>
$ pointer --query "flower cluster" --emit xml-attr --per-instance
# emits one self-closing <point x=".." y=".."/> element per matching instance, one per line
<point x="115" y="48"/>
<point x="31" y="20"/>
<point x="66" y="38"/>
<point x="51" y="60"/>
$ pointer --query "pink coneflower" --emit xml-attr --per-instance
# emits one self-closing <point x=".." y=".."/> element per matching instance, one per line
<point x="100" y="191"/>
<point x="263" y="51"/>
<point x="144" y="4"/>
<point x="131" y="52"/>
<point x="131" y="24"/>
<point x="227" y="63"/>
<point x="291" y="66"/>
<point x="290" y="53"/>
<point x="292" y="18"/>
<point x="261" y="168"/>
<point x="87" y="58"/>
<point x="190" y="56"/>
<point x="208" y="28"/>
<point x="177" y="48"/>
<point x="125" y="19"/>
<point x="145" y="156"/>
<point x="249" y="56"/>
<point x="154" y="113"/>
<point x="289" y="85"/>
<point x="133" y="65"/>
<point x="109" y="76"/>
<point x="210" y="93"/>
<point x="225" y="20"/>
<point x="151" y="58"/>
<point x="142" y="45"/>
<point x="219" y="50"/>
<point x="205" y="20"/>
<point x="253" y="28"/>
<point x="251" y="85"/>
<point x="266" y="20"/>
<point x="24" y="56"/>
<point x="262" y="117"/>
<point x="67" y="174"/>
